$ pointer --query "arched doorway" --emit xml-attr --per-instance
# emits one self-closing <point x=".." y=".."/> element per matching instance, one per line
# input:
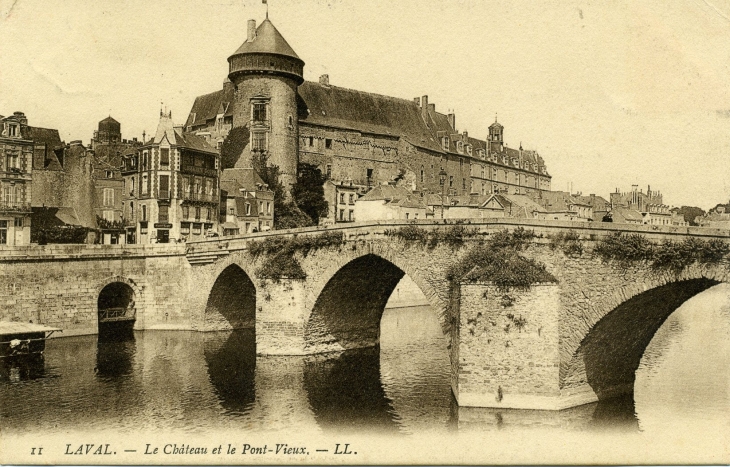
<point x="116" y="311"/>
<point x="232" y="301"/>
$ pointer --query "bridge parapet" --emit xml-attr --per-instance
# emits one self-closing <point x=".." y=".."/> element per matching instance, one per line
<point x="376" y="230"/>
<point x="83" y="251"/>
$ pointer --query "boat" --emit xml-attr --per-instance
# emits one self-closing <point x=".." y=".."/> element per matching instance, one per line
<point x="19" y="340"/>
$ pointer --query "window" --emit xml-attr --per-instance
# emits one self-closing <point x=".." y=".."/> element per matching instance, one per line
<point x="351" y="215"/>
<point x="197" y="213"/>
<point x="328" y="143"/>
<point x="185" y="228"/>
<point x="185" y="212"/>
<point x="144" y="160"/>
<point x="370" y="173"/>
<point x="342" y="214"/>
<point x="196" y="229"/>
<point x="143" y="225"/>
<point x="408" y="216"/>
<point x="162" y="213"/>
<point x="423" y="174"/>
<point x="164" y="187"/>
<point x="108" y="196"/>
<point x="468" y="149"/>
<point x="460" y="147"/>
<point x="131" y="211"/>
<point x="131" y="187"/>
<point x="164" y="156"/>
<point x="232" y="211"/>
<point x="12" y="131"/>
<point x="261" y="207"/>
<point x="3" y="232"/>
<point x="248" y="209"/>
<point x="342" y="198"/>
<point x="259" y="112"/>
<point x="145" y="184"/>
<point x="352" y="198"/>
<point x="445" y="143"/>
<point x="461" y="163"/>
<point x="258" y="141"/>
<point x="207" y="214"/>
<point x="268" y="207"/>
<point x="310" y="141"/>
<point x="329" y="171"/>
<point x="18" y="222"/>
<point x="463" y="184"/>
<point x="144" y="212"/>
<point x="451" y="181"/>
<point x="291" y="123"/>
<point x="109" y="174"/>
<point x="108" y="215"/>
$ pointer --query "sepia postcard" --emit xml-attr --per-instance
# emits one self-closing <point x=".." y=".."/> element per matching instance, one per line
<point x="364" y="232"/>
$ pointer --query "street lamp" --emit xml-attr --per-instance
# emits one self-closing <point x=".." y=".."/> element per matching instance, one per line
<point x="442" y="182"/>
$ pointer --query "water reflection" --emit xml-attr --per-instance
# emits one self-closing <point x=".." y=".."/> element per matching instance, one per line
<point x="27" y="367"/>
<point x="231" y="361"/>
<point x="198" y="382"/>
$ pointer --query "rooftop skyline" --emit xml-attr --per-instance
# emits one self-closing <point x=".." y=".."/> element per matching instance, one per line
<point x="609" y="95"/>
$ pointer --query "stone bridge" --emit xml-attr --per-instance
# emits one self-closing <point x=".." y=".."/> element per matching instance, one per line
<point x="553" y="346"/>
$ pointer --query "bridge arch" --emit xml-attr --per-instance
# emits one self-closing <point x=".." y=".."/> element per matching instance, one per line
<point x="617" y="330"/>
<point x="231" y="300"/>
<point x="348" y="299"/>
<point x="116" y="306"/>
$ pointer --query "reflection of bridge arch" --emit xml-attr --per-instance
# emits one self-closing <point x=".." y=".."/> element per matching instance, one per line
<point x="605" y="347"/>
<point x="231" y="302"/>
<point x="351" y="298"/>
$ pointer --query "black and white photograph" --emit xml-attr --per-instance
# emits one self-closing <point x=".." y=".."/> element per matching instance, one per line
<point x="364" y="232"/>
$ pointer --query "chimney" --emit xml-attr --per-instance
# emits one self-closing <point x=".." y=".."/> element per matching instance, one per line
<point x="466" y="136"/>
<point x="432" y="107"/>
<point x="417" y="100"/>
<point x="251" y="30"/>
<point x="452" y="120"/>
<point x="21" y="118"/>
<point x="324" y="80"/>
<point x="424" y="102"/>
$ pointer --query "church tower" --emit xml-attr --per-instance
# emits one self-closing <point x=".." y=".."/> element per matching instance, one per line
<point x="266" y="72"/>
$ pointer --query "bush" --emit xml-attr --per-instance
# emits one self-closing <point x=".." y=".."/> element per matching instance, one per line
<point x="281" y="266"/>
<point x="280" y="262"/>
<point x="625" y="249"/>
<point x="676" y="256"/>
<point x="503" y="266"/>
<point x="568" y="241"/>
<point x="453" y="236"/>
<point x="518" y="239"/>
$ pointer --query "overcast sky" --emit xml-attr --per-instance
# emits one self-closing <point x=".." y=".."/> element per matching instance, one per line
<point x="610" y="93"/>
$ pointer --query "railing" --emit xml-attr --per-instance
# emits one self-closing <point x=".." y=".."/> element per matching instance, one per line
<point x="6" y="206"/>
<point x="117" y="314"/>
<point x="199" y="197"/>
<point x="191" y="169"/>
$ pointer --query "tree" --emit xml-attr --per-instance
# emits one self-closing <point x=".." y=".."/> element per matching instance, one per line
<point x="308" y="192"/>
<point x="690" y="213"/>
<point x="287" y="214"/>
<point x="233" y="146"/>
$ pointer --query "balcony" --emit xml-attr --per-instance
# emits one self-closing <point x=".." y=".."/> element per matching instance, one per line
<point x="202" y="171"/>
<point x="12" y="207"/>
<point x="200" y="197"/>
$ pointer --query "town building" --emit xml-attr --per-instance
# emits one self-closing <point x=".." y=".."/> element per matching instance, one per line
<point x="351" y="135"/>
<point x="341" y="197"/>
<point x="171" y="187"/>
<point x="649" y="204"/>
<point x="562" y="206"/>
<point x="16" y="170"/>
<point x="383" y="202"/>
<point x="247" y="203"/>
<point x="717" y="218"/>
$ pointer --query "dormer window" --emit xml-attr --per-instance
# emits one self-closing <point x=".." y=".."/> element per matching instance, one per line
<point x="445" y="143"/>
<point x="460" y="147"/>
<point x="13" y="130"/>
<point x="468" y="149"/>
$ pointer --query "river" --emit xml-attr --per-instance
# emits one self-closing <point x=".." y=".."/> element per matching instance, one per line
<point x="195" y="382"/>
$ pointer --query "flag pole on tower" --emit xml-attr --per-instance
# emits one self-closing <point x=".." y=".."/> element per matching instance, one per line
<point x="265" y="2"/>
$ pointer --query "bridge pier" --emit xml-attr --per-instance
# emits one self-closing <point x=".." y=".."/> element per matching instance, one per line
<point x="507" y="348"/>
<point x="281" y="317"/>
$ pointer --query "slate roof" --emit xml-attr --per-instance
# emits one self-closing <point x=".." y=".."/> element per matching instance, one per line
<point x="268" y="40"/>
<point x="206" y="107"/>
<point x="192" y="141"/>
<point x="348" y="109"/>
<point x="235" y="178"/>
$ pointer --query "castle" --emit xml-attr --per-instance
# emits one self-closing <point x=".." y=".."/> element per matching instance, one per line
<point x="362" y="138"/>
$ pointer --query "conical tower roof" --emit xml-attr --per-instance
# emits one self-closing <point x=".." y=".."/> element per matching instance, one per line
<point x="268" y="40"/>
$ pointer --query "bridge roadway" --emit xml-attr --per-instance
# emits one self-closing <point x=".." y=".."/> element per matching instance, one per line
<point x="579" y="340"/>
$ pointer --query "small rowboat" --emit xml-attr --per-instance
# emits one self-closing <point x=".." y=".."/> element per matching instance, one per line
<point x="23" y="339"/>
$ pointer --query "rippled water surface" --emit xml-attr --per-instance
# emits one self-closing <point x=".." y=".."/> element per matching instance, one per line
<point x="201" y="381"/>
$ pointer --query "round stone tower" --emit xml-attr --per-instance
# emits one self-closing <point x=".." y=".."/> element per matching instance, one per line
<point x="265" y="72"/>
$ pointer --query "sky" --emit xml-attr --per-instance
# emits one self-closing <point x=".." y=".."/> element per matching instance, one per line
<point x="610" y="94"/>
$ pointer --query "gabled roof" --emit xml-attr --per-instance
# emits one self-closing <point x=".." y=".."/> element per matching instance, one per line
<point x="386" y="193"/>
<point x="245" y="178"/>
<point x="192" y="141"/>
<point x="365" y="112"/>
<point x="517" y="205"/>
<point x="206" y="106"/>
<point x="267" y="40"/>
